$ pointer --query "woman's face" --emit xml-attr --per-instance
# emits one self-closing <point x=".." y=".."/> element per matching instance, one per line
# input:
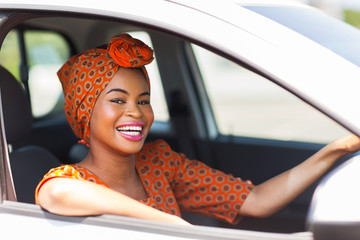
<point x="122" y="115"/>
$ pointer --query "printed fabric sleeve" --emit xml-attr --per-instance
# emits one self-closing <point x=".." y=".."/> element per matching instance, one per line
<point x="204" y="190"/>
<point x="65" y="171"/>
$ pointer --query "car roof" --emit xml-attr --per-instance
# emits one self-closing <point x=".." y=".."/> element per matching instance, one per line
<point x="313" y="73"/>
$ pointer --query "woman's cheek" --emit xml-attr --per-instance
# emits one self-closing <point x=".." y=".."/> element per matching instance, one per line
<point x="112" y="111"/>
<point x="150" y="115"/>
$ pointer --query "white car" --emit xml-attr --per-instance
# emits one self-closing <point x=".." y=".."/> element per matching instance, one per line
<point x="250" y="87"/>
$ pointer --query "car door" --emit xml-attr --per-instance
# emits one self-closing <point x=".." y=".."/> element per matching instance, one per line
<point x="197" y="128"/>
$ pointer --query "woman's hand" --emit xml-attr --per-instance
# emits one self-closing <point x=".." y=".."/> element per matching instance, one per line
<point x="347" y="145"/>
<point x="274" y="194"/>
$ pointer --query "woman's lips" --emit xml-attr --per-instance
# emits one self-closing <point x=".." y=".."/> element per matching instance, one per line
<point x="132" y="131"/>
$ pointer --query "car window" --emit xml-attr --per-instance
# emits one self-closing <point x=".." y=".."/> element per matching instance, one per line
<point x="46" y="51"/>
<point x="10" y="54"/>
<point x="337" y="36"/>
<point x="246" y="104"/>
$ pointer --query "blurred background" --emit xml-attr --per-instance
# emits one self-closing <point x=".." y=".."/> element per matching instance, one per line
<point x="346" y="10"/>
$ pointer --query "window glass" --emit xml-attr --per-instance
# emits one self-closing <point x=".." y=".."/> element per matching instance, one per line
<point x="158" y="101"/>
<point x="10" y="55"/>
<point x="331" y="33"/>
<point x="46" y="52"/>
<point x="246" y="104"/>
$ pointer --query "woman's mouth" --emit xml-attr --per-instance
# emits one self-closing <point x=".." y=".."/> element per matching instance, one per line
<point x="132" y="131"/>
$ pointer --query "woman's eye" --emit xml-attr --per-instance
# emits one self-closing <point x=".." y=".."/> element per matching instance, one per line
<point x="117" y="101"/>
<point x="144" y="102"/>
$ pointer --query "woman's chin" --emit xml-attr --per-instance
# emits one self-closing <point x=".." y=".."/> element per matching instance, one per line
<point x="130" y="147"/>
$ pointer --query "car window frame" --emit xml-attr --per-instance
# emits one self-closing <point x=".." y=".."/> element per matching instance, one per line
<point x="215" y="47"/>
<point x="210" y="132"/>
<point x="97" y="219"/>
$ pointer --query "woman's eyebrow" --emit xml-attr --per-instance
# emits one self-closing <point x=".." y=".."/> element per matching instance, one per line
<point x="117" y="90"/>
<point x="125" y="92"/>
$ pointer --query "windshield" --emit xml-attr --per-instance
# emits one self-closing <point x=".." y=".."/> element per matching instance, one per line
<point x="331" y="33"/>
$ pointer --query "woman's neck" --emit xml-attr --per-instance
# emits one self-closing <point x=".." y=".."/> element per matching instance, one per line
<point x="117" y="171"/>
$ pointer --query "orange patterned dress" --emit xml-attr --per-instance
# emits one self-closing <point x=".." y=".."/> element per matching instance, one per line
<point x="175" y="183"/>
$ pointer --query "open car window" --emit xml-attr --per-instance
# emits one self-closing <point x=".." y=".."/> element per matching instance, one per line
<point x="249" y="105"/>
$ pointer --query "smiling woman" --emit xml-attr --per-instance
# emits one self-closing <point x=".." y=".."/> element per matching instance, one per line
<point x="123" y="106"/>
<point x="108" y="107"/>
<point x="85" y="76"/>
<point x="107" y="103"/>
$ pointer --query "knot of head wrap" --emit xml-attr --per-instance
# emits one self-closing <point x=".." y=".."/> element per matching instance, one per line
<point x="84" y="76"/>
<point x="129" y="52"/>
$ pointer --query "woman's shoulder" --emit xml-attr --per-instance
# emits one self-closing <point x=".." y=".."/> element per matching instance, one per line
<point x="63" y="170"/>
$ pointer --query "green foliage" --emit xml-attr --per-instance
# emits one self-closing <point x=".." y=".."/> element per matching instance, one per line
<point x="42" y="47"/>
<point x="10" y="55"/>
<point x="352" y="17"/>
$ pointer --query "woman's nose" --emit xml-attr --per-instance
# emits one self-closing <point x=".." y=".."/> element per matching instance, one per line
<point x="133" y="110"/>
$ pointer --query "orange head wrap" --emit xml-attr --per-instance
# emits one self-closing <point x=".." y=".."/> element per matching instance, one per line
<point x="84" y="76"/>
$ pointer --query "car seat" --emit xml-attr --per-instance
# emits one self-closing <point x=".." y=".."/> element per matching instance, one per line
<point x="28" y="163"/>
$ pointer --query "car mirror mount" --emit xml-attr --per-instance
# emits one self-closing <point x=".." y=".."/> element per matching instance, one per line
<point x="334" y="211"/>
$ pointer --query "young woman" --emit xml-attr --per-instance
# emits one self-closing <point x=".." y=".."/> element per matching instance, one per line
<point x="107" y="92"/>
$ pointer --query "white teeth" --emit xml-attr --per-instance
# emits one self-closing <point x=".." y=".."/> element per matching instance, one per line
<point x="130" y="128"/>
<point x="131" y="133"/>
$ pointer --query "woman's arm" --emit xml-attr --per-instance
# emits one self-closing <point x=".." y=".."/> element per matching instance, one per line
<point x="274" y="194"/>
<point x="74" y="197"/>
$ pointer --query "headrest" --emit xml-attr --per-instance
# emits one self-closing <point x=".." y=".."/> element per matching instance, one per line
<point x="16" y="107"/>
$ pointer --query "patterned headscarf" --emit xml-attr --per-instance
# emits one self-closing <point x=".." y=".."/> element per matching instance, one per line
<point x="84" y="76"/>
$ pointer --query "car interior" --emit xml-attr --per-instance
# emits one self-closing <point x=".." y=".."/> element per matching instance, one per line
<point x="40" y="139"/>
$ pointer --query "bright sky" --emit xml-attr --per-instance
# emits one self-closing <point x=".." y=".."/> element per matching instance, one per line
<point x="345" y="3"/>
<point x="350" y="3"/>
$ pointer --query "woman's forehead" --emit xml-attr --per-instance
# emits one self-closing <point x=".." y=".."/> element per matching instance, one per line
<point x="129" y="78"/>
